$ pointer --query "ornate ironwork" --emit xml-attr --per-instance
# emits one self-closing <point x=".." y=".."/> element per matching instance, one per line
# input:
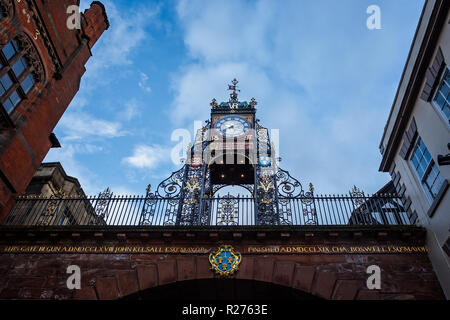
<point x="51" y="211"/>
<point x="266" y="204"/>
<point x="308" y="208"/>
<point x="148" y="210"/>
<point x="171" y="187"/>
<point x="217" y="187"/>
<point x="228" y="211"/>
<point x="102" y="205"/>
<point x="287" y="186"/>
<point x="189" y="198"/>
<point x="151" y="210"/>
<point x="189" y="213"/>
<point x="233" y="95"/>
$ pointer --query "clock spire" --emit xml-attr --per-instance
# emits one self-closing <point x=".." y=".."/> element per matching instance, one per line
<point x="233" y="87"/>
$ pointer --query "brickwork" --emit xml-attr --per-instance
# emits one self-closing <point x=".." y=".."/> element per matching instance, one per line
<point x="63" y="53"/>
<point x="113" y="276"/>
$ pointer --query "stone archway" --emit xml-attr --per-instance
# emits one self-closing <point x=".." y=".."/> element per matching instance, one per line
<point x="220" y="289"/>
<point x="306" y="280"/>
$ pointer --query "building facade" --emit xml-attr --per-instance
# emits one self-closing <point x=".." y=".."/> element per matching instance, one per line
<point x="415" y="144"/>
<point x="42" y="60"/>
<point x="52" y="183"/>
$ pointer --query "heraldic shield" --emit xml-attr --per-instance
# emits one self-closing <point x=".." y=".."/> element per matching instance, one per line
<point x="225" y="261"/>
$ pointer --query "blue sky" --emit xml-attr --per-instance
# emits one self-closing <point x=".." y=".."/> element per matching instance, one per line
<point x="319" y="75"/>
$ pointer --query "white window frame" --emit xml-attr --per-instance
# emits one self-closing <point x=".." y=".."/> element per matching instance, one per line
<point x="422" y="180"/>
<point x="436" y="92"/>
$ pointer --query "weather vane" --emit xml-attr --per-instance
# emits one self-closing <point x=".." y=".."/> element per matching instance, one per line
<point x="233" y="87"/>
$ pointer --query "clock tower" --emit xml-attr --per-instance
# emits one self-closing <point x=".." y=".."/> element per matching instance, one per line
<point x="232" y="149"/>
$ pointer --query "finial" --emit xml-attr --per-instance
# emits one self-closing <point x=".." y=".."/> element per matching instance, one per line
<point x="213" y="103"/>
<point x="233" y="87"/>
<point x="253" y="102"/>
<point x="311" y="187"/>
<point x="148" y="188"/>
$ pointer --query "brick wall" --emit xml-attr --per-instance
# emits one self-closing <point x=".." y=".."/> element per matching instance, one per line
<point x="64" y="54"/>
<point x="112" y="276"/>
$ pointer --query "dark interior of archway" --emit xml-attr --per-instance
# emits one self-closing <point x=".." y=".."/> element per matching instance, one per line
<point x="220" y="289"/>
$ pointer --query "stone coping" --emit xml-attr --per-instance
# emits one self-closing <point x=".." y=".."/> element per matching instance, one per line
<point x="208" y="233"/>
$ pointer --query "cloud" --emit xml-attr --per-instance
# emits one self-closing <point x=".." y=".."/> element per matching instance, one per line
<point x="319" y="75"/>
<point x="143" y="83"/>
<point x="80" y="125"/>
<point x="130" y="111"/>
<point x="147" y="157"/>
<point x="117" y="44"/>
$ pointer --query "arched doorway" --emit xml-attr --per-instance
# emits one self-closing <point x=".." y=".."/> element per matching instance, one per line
<point x="220" y="289"/>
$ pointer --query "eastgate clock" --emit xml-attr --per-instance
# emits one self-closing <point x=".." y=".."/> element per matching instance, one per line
<point x="232" y="126"/>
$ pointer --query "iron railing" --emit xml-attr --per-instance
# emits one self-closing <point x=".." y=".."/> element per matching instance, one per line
<point x="228" y="210"/>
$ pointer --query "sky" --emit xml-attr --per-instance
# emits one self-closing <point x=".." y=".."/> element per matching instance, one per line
<point x="320" y="76"/>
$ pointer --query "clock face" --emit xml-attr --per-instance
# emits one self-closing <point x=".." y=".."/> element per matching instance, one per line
<point x="232" y="126"/>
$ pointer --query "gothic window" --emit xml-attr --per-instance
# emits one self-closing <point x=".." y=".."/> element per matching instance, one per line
<point x="6" y="9"/>
<point x="20" y="69"/>
<point x="442" y="96"/>
<point x="427" y="170"/>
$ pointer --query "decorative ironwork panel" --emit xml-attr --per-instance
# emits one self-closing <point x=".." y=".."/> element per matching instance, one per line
<point x="266" y="208"/>
<point x="102" y="205"/>
<point x="192" y="187"/>
<point x="171" y="187"/>
<point x="287" y="186"/>
<point x="228" y="211"/>
<point x="308" y="206"/>
<point x="52" y="209"/>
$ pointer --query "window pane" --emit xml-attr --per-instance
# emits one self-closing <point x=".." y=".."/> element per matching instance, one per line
<point x="421" y="170"/>
<point x="445" y="89"/>
<point x="431" y="176"/>
<point x="5" y="82"/>
<point x="415" y="161"/>
<point x="28" y="83"/>
<point x="15" y="99"/>
<point x="19" y="67"/>
<point x="437" y="184"/>
<point x="422" y="146"/>
<point x="426" y="156"/>
<point x="447" y="110"/>
<point x="8" y="106"/>
<point x="440" y="100"/>
<point x="9" y="51"/>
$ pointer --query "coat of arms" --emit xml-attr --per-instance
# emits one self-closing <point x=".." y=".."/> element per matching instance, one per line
<point x="225" y="261"/>
<point x="264" y="161"/>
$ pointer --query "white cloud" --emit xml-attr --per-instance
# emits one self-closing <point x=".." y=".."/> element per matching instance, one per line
<point x="143" y="83"/>
<point x="81" y="125"/>
<point x="126" y="32"/>
<point x="148" y="157"/>
<point x="130" y="110"/>
<point x="319" y="75"/>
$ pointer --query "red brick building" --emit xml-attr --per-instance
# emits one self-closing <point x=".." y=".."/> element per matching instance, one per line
<point x="41" y="65"/>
